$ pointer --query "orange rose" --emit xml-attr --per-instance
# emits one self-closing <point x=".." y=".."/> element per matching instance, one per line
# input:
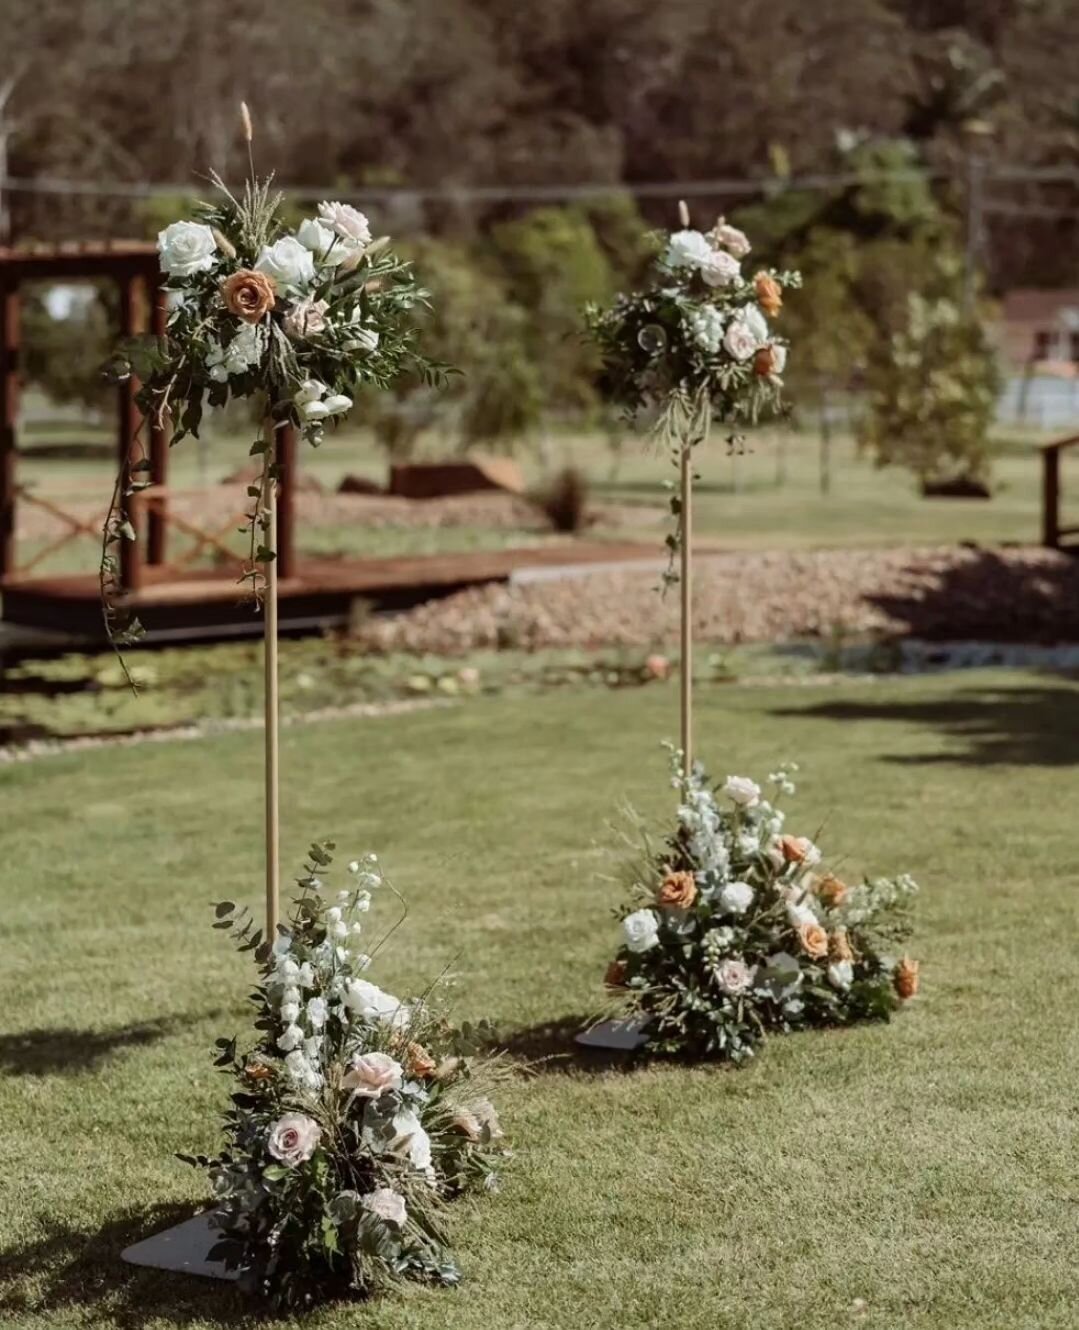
<point x="830" y="889"/>
<point x="840" y="948"/>
<point x="814" y="940"/>
<point x="678" y="892"/>
<point x="795" y="848"/>
<point x="248" y="294"/>
<point x="769" y="294"/>
<point x="906" y="978"/>
<point x="258" y="1071"/>
<point x="418" y="1061"/>
<point x="765" y="362"/>
<point x="616" y="975"/>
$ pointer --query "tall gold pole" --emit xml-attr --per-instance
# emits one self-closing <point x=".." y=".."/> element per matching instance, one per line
<point x="272" y="733"/>
<point x="687" y="608"/>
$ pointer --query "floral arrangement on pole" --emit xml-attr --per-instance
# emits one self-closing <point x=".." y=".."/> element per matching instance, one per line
<point x="695" y="345"/>
<point x="300" y="321"/>
<point x="356" y="1116"/>
<point x="737" y="929"/>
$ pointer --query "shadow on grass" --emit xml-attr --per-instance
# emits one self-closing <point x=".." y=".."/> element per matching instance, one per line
<point x="70" y="1052"/>
<point x="1028" y="726"/>
<point x="75" y="1269"/>
<point x="550" y="1048"/>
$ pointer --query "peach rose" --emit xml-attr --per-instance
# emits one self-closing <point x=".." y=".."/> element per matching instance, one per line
<point x="769" y="294"/>
<point x="840" y="948"/>
<point x="248" y="294"/>
<point x="765" y="362"/>
<point x="906" y="977"/>
<point x="418" y="1061"/>
<point x="796" y="849"/>
<point x="657" y="667"/>
<point x="616" y="975"/>
<point x="830" y="889"/>
<point x="814" y="940"/>
<point x="678" y="891"/>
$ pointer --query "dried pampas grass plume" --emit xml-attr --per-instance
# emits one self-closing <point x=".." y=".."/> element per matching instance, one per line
<point x="683" y="214"/>
<point x="245" y="120"/>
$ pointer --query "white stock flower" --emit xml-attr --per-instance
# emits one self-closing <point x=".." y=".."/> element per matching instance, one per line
<point x="369" y="1002"/>
<point x="733" y="976"/>
<point x="306" y="975"/>
<point x="347" y="222"/>
<point x="410" y="1139"/>
<point x="372" y="1075"/>
<point x="242" y="353"/>
<point x="281" y="945"/>
<point x="316" y="1012"/>
<point x="641" y="930"/>
<point x="841" y="974"/>
<point x="292" y="1037"/>
<point x="293" y="1139"/>
<point x="186" y="248"/>
<point x="386" y="1204"/>
<point x="741" y="790"/>
<point x="736" y="897"/>
<point x="287" y="261"/>
<point x="688" y="249"/>
<point x="290" y="1012"/>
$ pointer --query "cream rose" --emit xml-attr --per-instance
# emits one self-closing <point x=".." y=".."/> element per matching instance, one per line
<point x="734" y="976"/>
<point x="345" y="221"/>
<point x="410" y="1139"/>
<point x="293" y="1139"/>
<point x="372" y="1075"/>
<point x="719" y="268"/>
<point x="741" y="790"/>
<point x="386" y="1204"/>
<point x="736" y="897"/>
<point x="306" y="316"/>
<point x="730" y="238"/>
<point x="369" y="1002"/>
<point x="641" y="930"/>
<point x="186" y="248"/>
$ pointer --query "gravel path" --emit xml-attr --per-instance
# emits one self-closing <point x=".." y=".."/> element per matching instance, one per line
<point x="1008" y="594"/>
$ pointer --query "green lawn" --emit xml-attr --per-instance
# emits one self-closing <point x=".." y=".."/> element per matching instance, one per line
<point x="920" y="1175"/>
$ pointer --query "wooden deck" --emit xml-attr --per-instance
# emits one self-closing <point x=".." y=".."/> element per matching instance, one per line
<point x="323" y="592"/>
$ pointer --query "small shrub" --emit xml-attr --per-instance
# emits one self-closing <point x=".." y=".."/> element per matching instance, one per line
<point x="564" y="501"/>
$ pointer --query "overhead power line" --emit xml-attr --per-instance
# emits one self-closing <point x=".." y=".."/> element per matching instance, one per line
<point x="53" y="185"/>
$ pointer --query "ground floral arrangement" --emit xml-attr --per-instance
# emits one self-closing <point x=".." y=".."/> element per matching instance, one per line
<point x="298" y="321"/>
<point x="356" y="1116"/>
<point x="736" y="929"/>
<point x="695" y="344"/>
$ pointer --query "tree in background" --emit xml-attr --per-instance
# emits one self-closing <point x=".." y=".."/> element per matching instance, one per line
<point x="933" y="387"/>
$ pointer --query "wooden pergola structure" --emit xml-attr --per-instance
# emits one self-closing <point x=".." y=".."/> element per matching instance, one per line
<point x="1053" y="533"/>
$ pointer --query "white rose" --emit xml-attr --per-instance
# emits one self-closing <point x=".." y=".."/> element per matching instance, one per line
<point x="282" y="943"/>
<point x="736" y="897"/>
<point x="290" y="1012"/>
<point x="368" y="1001"/>
<point x="327" y="248"/>
<point x="362" y="339"/>
<point x="293" y="1138"/>
<point x="306" y="975"/>
<point x="731" y="238"/>
<point x="287" y="261"/>
<point x="720" y="269"/>
<point x="742" y="791"/>
<point x="411" y="1139"/>
<point x="733" y="976"/>
<point x="346" y="222"/>
<point x="841" y="974"/>
<point x="316" y="1012"/>
<point x="755" y="321"/>
<point x="186" y="248"/>
<point x="801" y="915"/>
<point x="386" y="1204"/>
<point x="739" y="340"/>
<point x="688" y="249"/>
<point x="641" y="929"/>
<point x="372" y="1074"/>
<point x="333" y="914"/>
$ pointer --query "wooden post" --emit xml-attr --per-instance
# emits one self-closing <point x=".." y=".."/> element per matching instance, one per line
<point x="129" y="419"/>
<point x="1051" y="496"/>
<point x="9" y="415"/>
<point x="686" y="664"/>
<point x="272" y="709"/>
<point x="157" y="541"/>
<point x="285" y="453"/>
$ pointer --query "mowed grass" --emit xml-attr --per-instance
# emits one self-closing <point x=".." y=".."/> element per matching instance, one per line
<point x="916" y="1175"/>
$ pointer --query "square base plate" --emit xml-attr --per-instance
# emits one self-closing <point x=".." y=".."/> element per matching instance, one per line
<point x="183" y="1249"/>
<point x="620" y="1036"/>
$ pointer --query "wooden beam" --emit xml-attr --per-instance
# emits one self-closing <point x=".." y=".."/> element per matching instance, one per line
<point x="131" y="302"/>
<point x="157" y="538"/>
<point x="285" y="450"/>
<point x="9" y="417"/>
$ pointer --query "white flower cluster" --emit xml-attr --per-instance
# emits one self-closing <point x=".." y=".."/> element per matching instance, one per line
<point x="716" y="262"/>
<point x="706" y="328"/>
<point x="242" y="353"/>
